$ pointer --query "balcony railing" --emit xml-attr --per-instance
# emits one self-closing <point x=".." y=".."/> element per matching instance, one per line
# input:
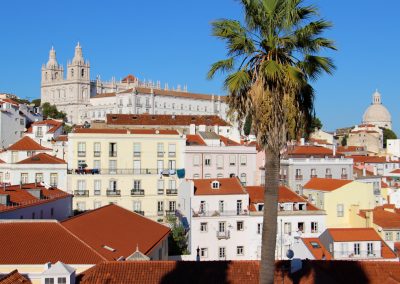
<point x="160" y="213"/>
<point x="139" y="212"/>
<point x="361" y="254"/>
<point x="328" y="176"/>
<point x="172" y="191"/>
<point x="113" y="192"/>
<point x="118" y="171"/>
<point x="137" y="154"/>
<point x="137" y="192"/>
<point x="96" y="153"/>
<point x="82" y="171"/>
<point x="81" y="193"/>
<point x="171" y="154"/>
<point x="299" y="177"/>
<point x="344" y="176"/>
<point x="81" y="153"/>
<point x="217" y="213"/>
<point x="223" y="235"/>
<point x="113" y="153"/>
<point x="170" y="212"/>
<point x="160" y="154"/>
<point x="160" y="191"/>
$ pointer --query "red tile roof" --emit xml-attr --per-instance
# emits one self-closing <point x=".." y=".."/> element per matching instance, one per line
<point x="173" y="93"/>
<point x="1" y="161"/>
<point x="256" y="195"/>
<point x="119" y="229"/>
<point x="227" y="186"/>
<point x="129" y="79"/>
<point x="308" y="151"/>
<point x="27" y="242"/>
<point x="194" y="140"/>
<point x="371" y="159"/>
<point x="228" y="142"/>
<point x="104" y="95"/>
<point x="125" y="131"/>
<point x="164" y="119"/>
<point x="10" y="101"/>
<point x="326" y="184"/>
<point x="354" y="234"/>
<point x="384" y="218"/>
<point x="239" y="272"/>
<point x="61" y="138"/>
<point x="397" y="248"/>
<point x="319" y="141"/>
<point x="320" y="252"/>
<point x="51" y="122"/>
<point x="27" y="144"/>
<point x="13" y="278"/>
<point x="42" y="158"/>
<point x="396" y="171"/>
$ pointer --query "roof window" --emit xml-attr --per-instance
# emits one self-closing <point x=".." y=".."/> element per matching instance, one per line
<point x="215" y="184"/>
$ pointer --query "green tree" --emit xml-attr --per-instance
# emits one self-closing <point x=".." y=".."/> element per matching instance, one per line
<point x="388" y="134"/>
<point x="315" y="123"/>
<point x="344" y="140"/>
<point x="51" y="111"/>
<point x="36" y="102"/>
<point x="247" y="125"/>
<point x="177" y="240"/>
<point x="272" y="58"/>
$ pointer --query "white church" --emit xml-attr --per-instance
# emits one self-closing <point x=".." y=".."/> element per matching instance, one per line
<point x="84" y="99"/>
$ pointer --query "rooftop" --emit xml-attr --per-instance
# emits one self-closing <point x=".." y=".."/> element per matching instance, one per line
<point x="309" y="151"/>
<point x="27" y="144"/>
<point x="54" y="124"/>
<point x="125" y="131"/>
<point x="119" y="229"/>
<point x="385" y="218"/>
<point x="42" y="158"/>
<point x="354" y="234"/>
<point x="317" y="249"/>
<point x="227" y="186"/>
<point x="371" y="159"/>
<point x="326" y="184"/>
<point x="14" y="277"/>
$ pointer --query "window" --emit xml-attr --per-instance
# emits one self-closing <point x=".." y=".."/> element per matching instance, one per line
<point x="136" y="167"/>
<point x="313" y="173"/>
<point x="81" y="185"/>
<point x="97" y="149"/>
<point x="221" y="206"/>
<point x="287" y="228"/>
<point x="239" y="207"/>
<point x="221" y="253"/>
<point x="340" y="210"/>
<point x="239" y="226"/>
<point x="96" y="164"/>
<point x="328" y="173"/>
<point x="160" y="150"/>
<point x="81" y="149"/>
<point x="204" y="252"/>
<point x="81" y="206"/>
<point x="388" y="236"/>
<point x="298" y="174"/>
<point x="232" y="160"/>
<point x="220" y="162"/>
<point x="215" y="185"/>
<point x="39" y="177"/>
<point x="207" y="176"/>
<point x="24" y="178"/>
<point x="53" y="179"/>
<point x="315" y="245"/>
<point x="160" y="206"/>
<point x="196" y="176"/>
<point x="221" y="227"/>
<point x="259" y="228"/>
<point x="160" y="165"/>
<point x="172" y="206"/>
<point x="202" y="206"/>
<point x="62" y="280"/>
<point x="240" y="250"/>
<point x="112" y="165"/>
<point x="14" y="156"/>
<point x="243" y="160"/>
<point x="136" y="149"/>
<point x="39" y="132"/>
<point x="112" y="149"/>
<point x="300" y="227"/>
<point x="370" y="248"/>
<point x="243" y="179"/>
<point x="314" y="227"/>
<point x="137" y="205"/>
<point x="220" y="175"/>
<point x="171" y="164"/>
<point x="356" y="249"/>
<point x="113" y="185"/>
<point x="137" y="184"/>
<point x="49" y="281"/>
<point x="207" y="160"/>
<point x="160" y="186"/>
<point x="196" y="160"/>
<point x="203" y="227"/>
<point x="171" y="150"/>
<point x="397" y="236"/>
<point x="172" y="184"/>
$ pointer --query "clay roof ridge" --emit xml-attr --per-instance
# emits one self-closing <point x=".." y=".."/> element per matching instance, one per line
<point x="87" y="212"/>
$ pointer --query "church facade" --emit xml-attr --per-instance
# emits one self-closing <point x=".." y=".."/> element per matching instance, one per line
<point x="84" y="99"/>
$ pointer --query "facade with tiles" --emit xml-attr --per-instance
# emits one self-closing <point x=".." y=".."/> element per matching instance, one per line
<point x="84" y="99"/>
<point x="136" y="169"/>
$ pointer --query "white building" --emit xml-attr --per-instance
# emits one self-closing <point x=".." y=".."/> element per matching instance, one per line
<point x="377" y="114"/>
<point x="393" y="147"/>
<point x="84" y="99"/>
<point x="225" y="219"/>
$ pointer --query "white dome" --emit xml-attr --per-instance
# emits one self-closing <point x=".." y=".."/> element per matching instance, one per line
<point x="377" y="113"/>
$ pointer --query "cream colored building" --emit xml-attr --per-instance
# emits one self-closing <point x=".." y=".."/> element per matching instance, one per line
<point x="136" y="169"/>
<point x="377" y="114"/>
<point x="337" y="197"/>
<point x="369" y="136"/>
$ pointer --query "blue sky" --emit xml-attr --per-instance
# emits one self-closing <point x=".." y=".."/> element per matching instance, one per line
<point x="170" y="41"/>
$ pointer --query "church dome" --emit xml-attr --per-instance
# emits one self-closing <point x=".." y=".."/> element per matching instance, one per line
<point x="377" y="113"/>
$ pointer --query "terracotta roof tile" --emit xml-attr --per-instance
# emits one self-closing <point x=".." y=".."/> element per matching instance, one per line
<point x="14" y="277"/>
<point x="27" y="144"/>
<point x="194" y="140"/>
<point x="61" y="138"/>
<point x="396" y="171"/>
<point x="172" y="93"/>
<point x="129" y="79"/>
<point x="42" y="158"/>
<point x="308" y="151"/>
<point x="371" y="159"/>
<point x="164" y="119"/>
<point x="354" y="234"/>
<point x="228" y="142"/>
<point x="26" y="242"/>
<point x="384" y="218"/>
<point x="227" y="186"/>
<point x="119" y="229"/>
<point x="125" y="131"/>
<point x="51" y="122"/>
<point x="104" y="95"/>
<point x="10" y="101"/>
<point x="326" y="184"/>
<point x="317" y="249"/>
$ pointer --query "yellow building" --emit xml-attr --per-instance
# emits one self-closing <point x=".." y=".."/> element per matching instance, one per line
<point x="337" y="197"/>
<point x="136" y="169"/>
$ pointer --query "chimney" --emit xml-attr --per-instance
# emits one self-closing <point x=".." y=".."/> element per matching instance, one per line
<point x="364" y="172"/>
<point x="369" y="218"/>
<point x="334" y="150"/>
<point x="301" y="141"/>
<point x="192" y="129"/>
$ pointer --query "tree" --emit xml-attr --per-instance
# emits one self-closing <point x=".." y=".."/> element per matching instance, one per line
<point x="36" y="102"/>
<point x="344" y="140"/>
<point x="177" y="240"/>
<point x="388" y="134"/>
<point x="272" y="59"/>
<point x="51" y="111"/>
<point x="247" y="125"/>
<point x="315" y="123"/>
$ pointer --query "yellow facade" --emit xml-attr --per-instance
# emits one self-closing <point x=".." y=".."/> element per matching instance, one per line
<point x="339" y="203"/>
<point x="125" y="168"/>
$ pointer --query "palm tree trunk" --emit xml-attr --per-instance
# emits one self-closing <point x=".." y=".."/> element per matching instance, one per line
<point x="267" y="265"/>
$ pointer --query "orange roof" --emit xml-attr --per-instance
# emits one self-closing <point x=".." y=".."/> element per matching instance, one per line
<point x="14" y="277"/>
<point x="119" y="229"/>
<point x="172" y="93"/>
<point x="10" y="101"/>
<point x="319" y="141"/>
<point x="27" y="242"/>
<point x="396" y="171"/>
<point x="42" y="158"/>
<point x="317" y="249"/>
<point x="384" y="218"/>
<point x="397" y="248"/>
<point x="56" y="124"/>
<point x="227" y="186"/>
<point x="104" y="95"/>
<point x="256" y="195"/>
<point x="27" y="144"/>
<point x="125" y="131"/>
<point x="307" y="151"/>
<point x="164" y="119"/>
<point x="61" y="138"/>
<point x="227" y="141"/>
<point x="354" y="234"/>
<point x="326" y="184"/>
<point x="129" y="79"/>
<point x="238" y="272"/>
<point x="2" y="162"/>
<point x="194" y="140"/>
<point x="371" y="159"/>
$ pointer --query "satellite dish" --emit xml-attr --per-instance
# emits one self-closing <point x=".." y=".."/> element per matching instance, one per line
<point x="290" y="254"/>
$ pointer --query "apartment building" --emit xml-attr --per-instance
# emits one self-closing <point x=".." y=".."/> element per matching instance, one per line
<point x="136" y="169"/>
<point x="209" y="155"/>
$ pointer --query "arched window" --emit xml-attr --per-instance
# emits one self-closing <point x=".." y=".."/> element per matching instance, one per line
<point x="83" y="72"/>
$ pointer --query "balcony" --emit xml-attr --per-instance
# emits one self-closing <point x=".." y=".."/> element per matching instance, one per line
<point x="97" y="153"/>
<point x="81" y="153"/>
<point x="172" y="191"/>
<point x="344" y="176"/>
<point x="160" y="154"/>
<point x="81" y="193"/>
<point x="219" y="213"/>
<point x="113" y="153"/>
<point x="82" y="171"/>
<point x="160" y="191"/>
<point x="328" y="176"/>
<point x="170" y="212"/>
<point x="299" y="177"/>
<point x="113" y="192"/>
<point x="313" y="176"/>
<point x="137" y="192"/>
<point x="97" y="192"/>
<point x="361" y="254"/>
<point x="116" y="171"/>
<point x="160" y="213"/>
<point x="171" y="154"/>
<point x="137" y="154"/>
<point x="223" y="235"/>
<point x="139" y="212"/>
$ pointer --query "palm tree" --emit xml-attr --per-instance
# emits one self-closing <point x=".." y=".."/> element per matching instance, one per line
<point x="272" y="58"/>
